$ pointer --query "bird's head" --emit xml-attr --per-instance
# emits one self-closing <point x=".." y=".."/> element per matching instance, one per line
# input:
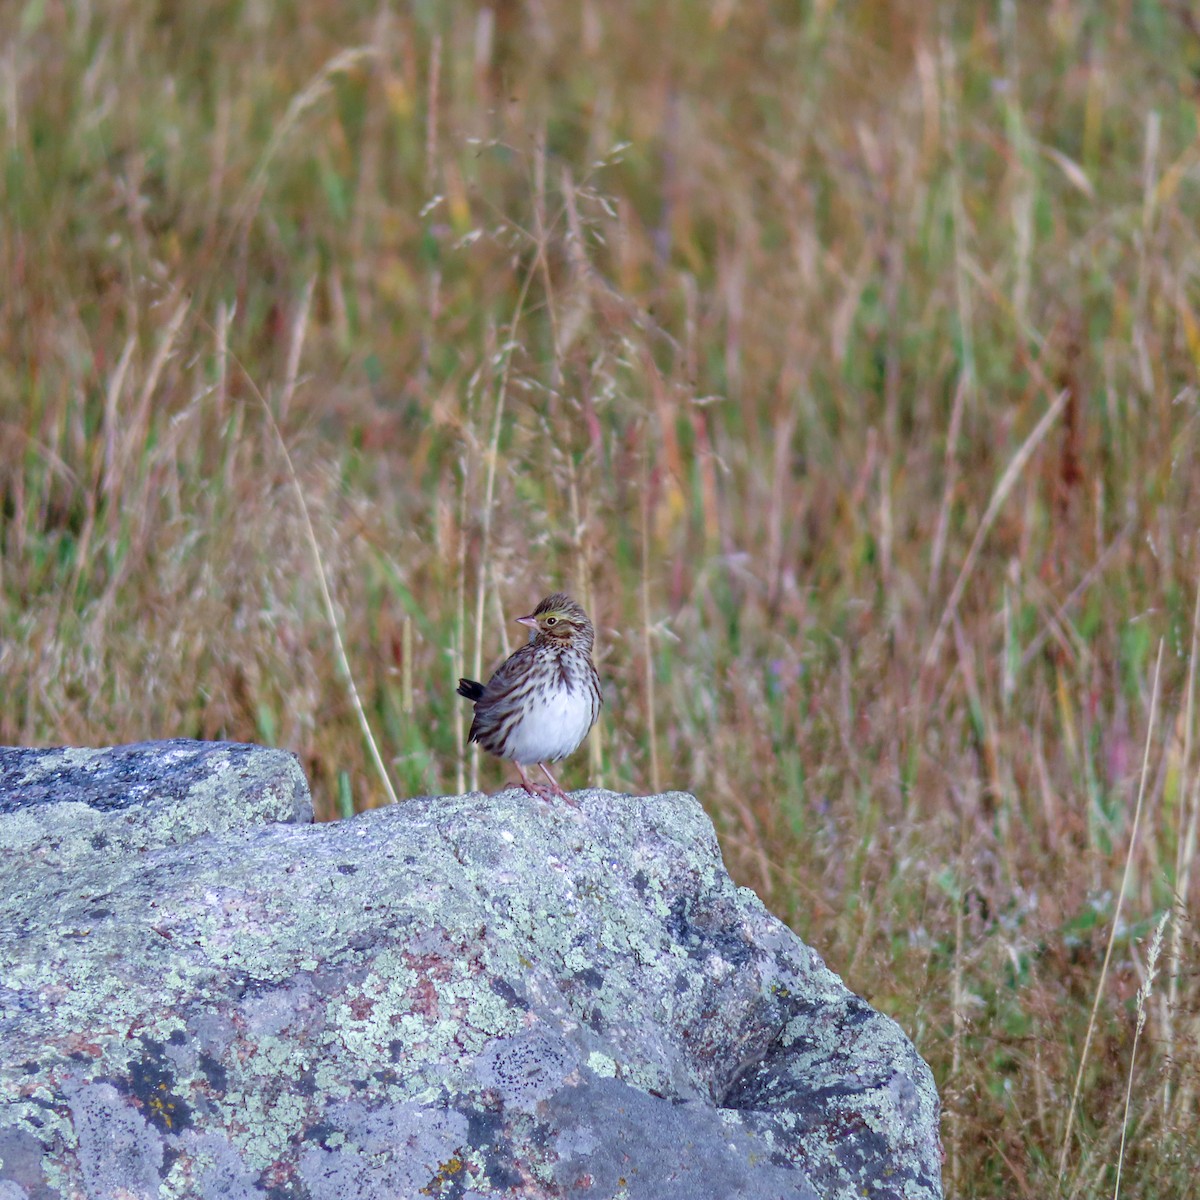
<point x="559" y="619"/>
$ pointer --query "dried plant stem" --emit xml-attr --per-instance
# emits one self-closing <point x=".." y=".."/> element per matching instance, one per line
<point x="331" y="617"/>
<point x="1143" y="998"/>
<point x="1011" y="474"/>
<point x="137" y="430"/>
<point x="950" y="472"/>
<point x="1116" y="921"/>
<point x="647" y="648"/>
<point x="406" y="665"/>
<point x="292" y="371"/>
<point x="961" y="291"/>
<point x="311" y="94"/>
<point x="431" y="112"/>
<point x="966" y="379"/>
<point x="489" y="491"/>
<point x="458" y="650"/>
<point x="1185" y="855"/>
<point x="1093" y="573"/>
<point x="583" y="584"/>
<point x="958" y="1017"/>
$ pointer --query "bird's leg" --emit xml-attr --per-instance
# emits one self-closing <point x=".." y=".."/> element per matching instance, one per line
<point x="556" y="785"/>
<point x="534" y="789"/>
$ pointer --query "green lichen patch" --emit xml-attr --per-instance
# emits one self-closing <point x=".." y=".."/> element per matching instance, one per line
<point x="461" y="994"/>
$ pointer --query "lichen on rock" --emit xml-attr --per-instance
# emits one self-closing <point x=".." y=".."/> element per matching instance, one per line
<point x="458" y="996"/>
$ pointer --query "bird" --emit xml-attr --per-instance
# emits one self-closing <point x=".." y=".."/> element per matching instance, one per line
<point x="544" y="698"/>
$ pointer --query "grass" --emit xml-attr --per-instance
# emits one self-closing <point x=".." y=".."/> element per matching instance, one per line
<point x="843" y="359"/>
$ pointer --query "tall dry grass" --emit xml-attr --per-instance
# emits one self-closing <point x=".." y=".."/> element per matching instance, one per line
<point x="843" y="357"/>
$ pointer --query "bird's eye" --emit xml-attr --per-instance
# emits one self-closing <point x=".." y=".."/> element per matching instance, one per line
<point x="551" y="620"/>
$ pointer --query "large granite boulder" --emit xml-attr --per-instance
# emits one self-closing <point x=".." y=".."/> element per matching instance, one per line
<point x="203" y="994"/>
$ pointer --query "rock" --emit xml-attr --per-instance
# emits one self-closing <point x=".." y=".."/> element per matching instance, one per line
<point x="145" y="796"/>
<point x="456" y="997"/>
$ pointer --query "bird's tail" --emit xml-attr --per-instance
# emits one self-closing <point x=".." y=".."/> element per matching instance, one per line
<point x="470" y="689"/>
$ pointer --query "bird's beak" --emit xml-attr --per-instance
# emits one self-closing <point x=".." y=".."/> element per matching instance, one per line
<point x="530" y="621"/>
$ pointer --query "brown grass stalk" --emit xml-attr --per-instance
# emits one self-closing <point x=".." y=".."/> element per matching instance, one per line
<point x="310" y="533"/>
<point x="1012" y="473"/>
<point x="1115" y="923"/>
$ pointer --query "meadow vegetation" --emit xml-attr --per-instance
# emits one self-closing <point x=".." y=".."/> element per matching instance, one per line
<point x="841" y="358"/>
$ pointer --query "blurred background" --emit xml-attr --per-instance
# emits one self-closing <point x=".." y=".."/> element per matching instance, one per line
<point x="842" y="358"/>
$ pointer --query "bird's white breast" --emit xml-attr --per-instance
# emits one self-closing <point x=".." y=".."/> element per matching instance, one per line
<point x="552" y="726"/>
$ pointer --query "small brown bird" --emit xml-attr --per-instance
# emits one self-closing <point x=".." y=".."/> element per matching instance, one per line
<point x="543" y="699"/>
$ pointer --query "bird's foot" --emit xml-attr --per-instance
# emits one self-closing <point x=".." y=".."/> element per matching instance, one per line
<point x="534" y="788"/>
<point x="538" y="790"/>
<point x="556" y="786"/>
<point x="541" y="790"/>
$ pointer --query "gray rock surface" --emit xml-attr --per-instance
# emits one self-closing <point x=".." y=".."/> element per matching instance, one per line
<point x="457" y="997"/>
<point x="141" y="797"/>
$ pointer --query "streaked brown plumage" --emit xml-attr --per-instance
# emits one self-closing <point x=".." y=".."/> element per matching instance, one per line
<point x="544" y="698"/>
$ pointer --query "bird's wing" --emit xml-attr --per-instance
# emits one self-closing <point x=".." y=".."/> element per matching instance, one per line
<point x="501" y="688"/>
